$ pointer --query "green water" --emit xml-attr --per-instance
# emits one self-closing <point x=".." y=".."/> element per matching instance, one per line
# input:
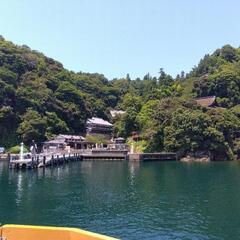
<point x="155" y="200"/>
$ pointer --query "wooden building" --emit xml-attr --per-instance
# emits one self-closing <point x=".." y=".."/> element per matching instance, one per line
<point x="67" y="141"/>
<point x="99" y="126"/>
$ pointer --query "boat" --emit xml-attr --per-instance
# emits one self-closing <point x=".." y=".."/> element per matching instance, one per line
<point x="27" y="232"/>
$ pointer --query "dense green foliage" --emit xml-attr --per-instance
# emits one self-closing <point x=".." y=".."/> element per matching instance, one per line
<point x="39" y="98"/>
<point x="170" y="119"/>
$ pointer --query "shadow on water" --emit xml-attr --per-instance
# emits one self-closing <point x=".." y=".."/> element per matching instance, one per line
<point x="155" y="200"/>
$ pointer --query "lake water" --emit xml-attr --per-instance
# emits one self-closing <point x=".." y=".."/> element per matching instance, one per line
<point x="154" y="200"/>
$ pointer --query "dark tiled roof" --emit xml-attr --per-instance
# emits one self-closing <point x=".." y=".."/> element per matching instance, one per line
<point x="206" y="101"/>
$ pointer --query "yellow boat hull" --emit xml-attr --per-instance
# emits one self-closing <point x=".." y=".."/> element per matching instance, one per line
<point x="25" y="232"/>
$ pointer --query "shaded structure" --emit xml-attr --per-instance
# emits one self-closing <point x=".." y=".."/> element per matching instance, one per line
<point x="115" y="113"/>
<point x="118" y="144"/>
<point x="63" y="142"/>
<point x="209" y="101"/>
<point x="100" y="126"/>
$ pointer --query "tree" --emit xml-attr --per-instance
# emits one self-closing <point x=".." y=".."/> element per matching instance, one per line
<point x="192" y="131"/>
<point x="128" y="77"/>
<point x="147" y="112"/>
<point x="32" y="127"/>
<point x="126" y="124"/>
<point x="8" y="76"/>
<point x="8" y="125"/>
<point x="223" y="84"/>
<point x="182" y="74"/>
<point x="54" y="125"/>
<point x="164" y="79"/>
<point x="228" y="53"/>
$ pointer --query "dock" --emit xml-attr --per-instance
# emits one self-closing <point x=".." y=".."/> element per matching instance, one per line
<point x="44" y="160"/>
<point x="107" y="155"/>
<point x="63" y="156"/>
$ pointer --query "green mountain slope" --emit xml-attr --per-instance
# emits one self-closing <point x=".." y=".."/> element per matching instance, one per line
<point x="39" y="98"/>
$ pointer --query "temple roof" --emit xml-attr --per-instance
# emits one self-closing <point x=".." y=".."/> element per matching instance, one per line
<point x="61" y="138"/>
<point x="206" y="101"/>
<point x="56" y="141"/>
<point x="99" y="121"/>
<point x="74" y="137"/>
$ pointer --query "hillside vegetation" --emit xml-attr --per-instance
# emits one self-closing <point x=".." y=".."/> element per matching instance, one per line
<point x="168" y="119"/>
<point x="39" y="98"/>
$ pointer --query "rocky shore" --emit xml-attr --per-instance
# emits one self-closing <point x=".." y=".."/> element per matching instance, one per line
<point x="199" y="156"/>
<point x="195" y="159"/>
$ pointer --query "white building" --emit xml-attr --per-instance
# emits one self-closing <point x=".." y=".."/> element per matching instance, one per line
<point x="115" y="113"/>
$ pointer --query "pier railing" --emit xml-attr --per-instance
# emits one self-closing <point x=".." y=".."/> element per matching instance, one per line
<point x="45" y="159"/>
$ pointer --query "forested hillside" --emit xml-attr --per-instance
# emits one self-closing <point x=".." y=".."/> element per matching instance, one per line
<point x="39" y="98"/>
<point x="164" y="112"/>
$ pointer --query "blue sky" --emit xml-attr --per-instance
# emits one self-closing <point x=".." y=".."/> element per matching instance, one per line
<point x="116" y="37"/>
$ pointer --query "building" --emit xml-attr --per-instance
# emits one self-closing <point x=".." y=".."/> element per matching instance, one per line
<point x="118" y="144"/>
<point x="67" y="141"/>
<point x="99" y="126"/>
<point x="115" y="113"/>
<point x="209" y="101"/>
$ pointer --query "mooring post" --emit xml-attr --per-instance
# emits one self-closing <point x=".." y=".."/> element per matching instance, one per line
<point x="44" y="160"/>
<point x="9" y="160"/>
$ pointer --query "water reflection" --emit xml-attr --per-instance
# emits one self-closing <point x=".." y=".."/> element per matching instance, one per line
<point x="19" y="191"/>
<point x="133" y="169"/>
